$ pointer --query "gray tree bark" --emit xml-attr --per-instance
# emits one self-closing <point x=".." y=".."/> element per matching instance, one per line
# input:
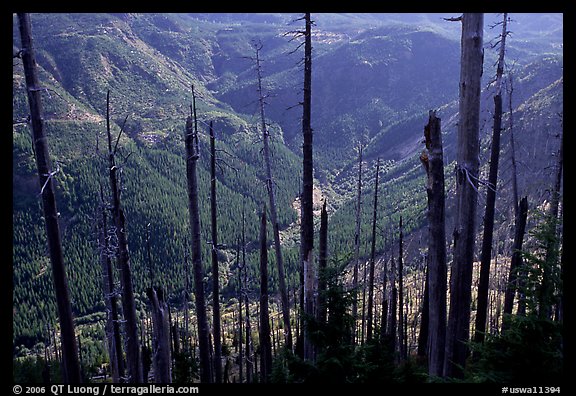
<point x="307" y="223"/>
<point x="133" y="356"/>
<point x="516" y="262"/>
<point x="70" y="362"/>
<point x="357" y="247"/>
<point x="322" y="265"/>
<point x="192" y="155"/>
<point x="161" y="353"/>
<point x="273" y="211"/>
<point x="265" y="346"/>
<point x="486" y="255"/>
<point x="433" y="160"/>
<point x="110" y="298"/>
<point x="214" y="255"/>
<point x="471" y="61"/>
<point x="401" y="329"/>
<point x="369" y="329"/>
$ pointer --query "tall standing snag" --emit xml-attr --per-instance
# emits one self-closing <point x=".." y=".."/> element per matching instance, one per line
<point x="401" y="325"/>
<point x="265" y="346"/>
<point x="466" y="194"/>
<point x="71" y="363"/>
<point x="357" y="246"/>
<point x="486" y="255"/>
<point x="133" y="356"/>
<point x="372" y="258"/>
<point x="273" y="211"/>
<point x="214" y="254"/>
<point x="322" y="265"/>
<point x="191" y="142"/>
<point x="161" y="353"/>
<point x="432" y="159"/>
<point x="307" y="223"/>
<point x="110" y="297"/>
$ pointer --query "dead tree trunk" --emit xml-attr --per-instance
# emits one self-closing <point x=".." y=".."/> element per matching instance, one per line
<point x="472" y="55"/>
<point x="401" y="340"/>
<point x="546" y="292"/>
<point x="192" y="155"/>
<point x="240" y="319"/>
<point x="307" y="223"/>
<point x="433" y="160"/>
<point x="161" y="357"/>
<point x="486" y="255"/>
<point x="112" y="318"/>
<point x="71" y="364"/>
<point x="215" y="272"/>
<point x="384" y="314"/>
<point x="265" y="346"/>
<point x="516" y="262"/>
<point x="423" y="334"/>
<point x="357" y="248"/>
<point x="322" y="265"/>
<point x="392" y="321"/>
<point x="133" y="356"/>
<point x="246" y="303"/>
<point x="273" y="211"/>
<point x="512" y="145"/>
<point x="369" y="329"/>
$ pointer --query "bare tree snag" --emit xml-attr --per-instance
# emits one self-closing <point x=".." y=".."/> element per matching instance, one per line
<point x="161" y="353"/>
<point x="214" y="255"/>
<point x="273" y="211"/>
<point x="265" y="346"/>
<point x="486" y="254"/>
<point x="433" y="160"/>
<point x="471" y="62"/>
<point x="307" y="223"/>
<point x="70" y="362"/>
<point x="401" y="324"/>
<point x="516" y="263"/>
<point x="322" y="265"/>
<point x="357" y="246"/>
<point x="133" y="356"/>
<point x="110" y="297"/>
<point x="192" y="155"/>
<point x="369" y="329"/>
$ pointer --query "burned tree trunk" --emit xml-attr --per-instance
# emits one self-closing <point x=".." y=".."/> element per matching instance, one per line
<point x="240" y="319"/>
<point x="486" y="255"/>
<point x="357" y="247"/>
<point x="384" y="314"/>
<point x="215" y="272"/>
<point x="516" y="262"/>
<point x="433" y="161"/>
<point x="307" y="223"/>
<point x="246" y="304"/>
<point x="546" y="292"/>
<point x="401" y="339"/>
<point x="322" y="265"/>
<point x="273" y="211"/>
<point x="161" y="356"/>
<point x="71" y="364"/>
<point x="192" y="155"/>
<point x="472" y="55"/>
<point x="392" y="321"/>
<point x="133" y="356"/>
<point x="265" y="346"/>
<point x="425" y="319"/>
<point x="369" y="329"/>
<point x="110" y="298"/>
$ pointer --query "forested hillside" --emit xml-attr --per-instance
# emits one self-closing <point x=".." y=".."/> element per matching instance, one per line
<point x="375" y="77"/>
